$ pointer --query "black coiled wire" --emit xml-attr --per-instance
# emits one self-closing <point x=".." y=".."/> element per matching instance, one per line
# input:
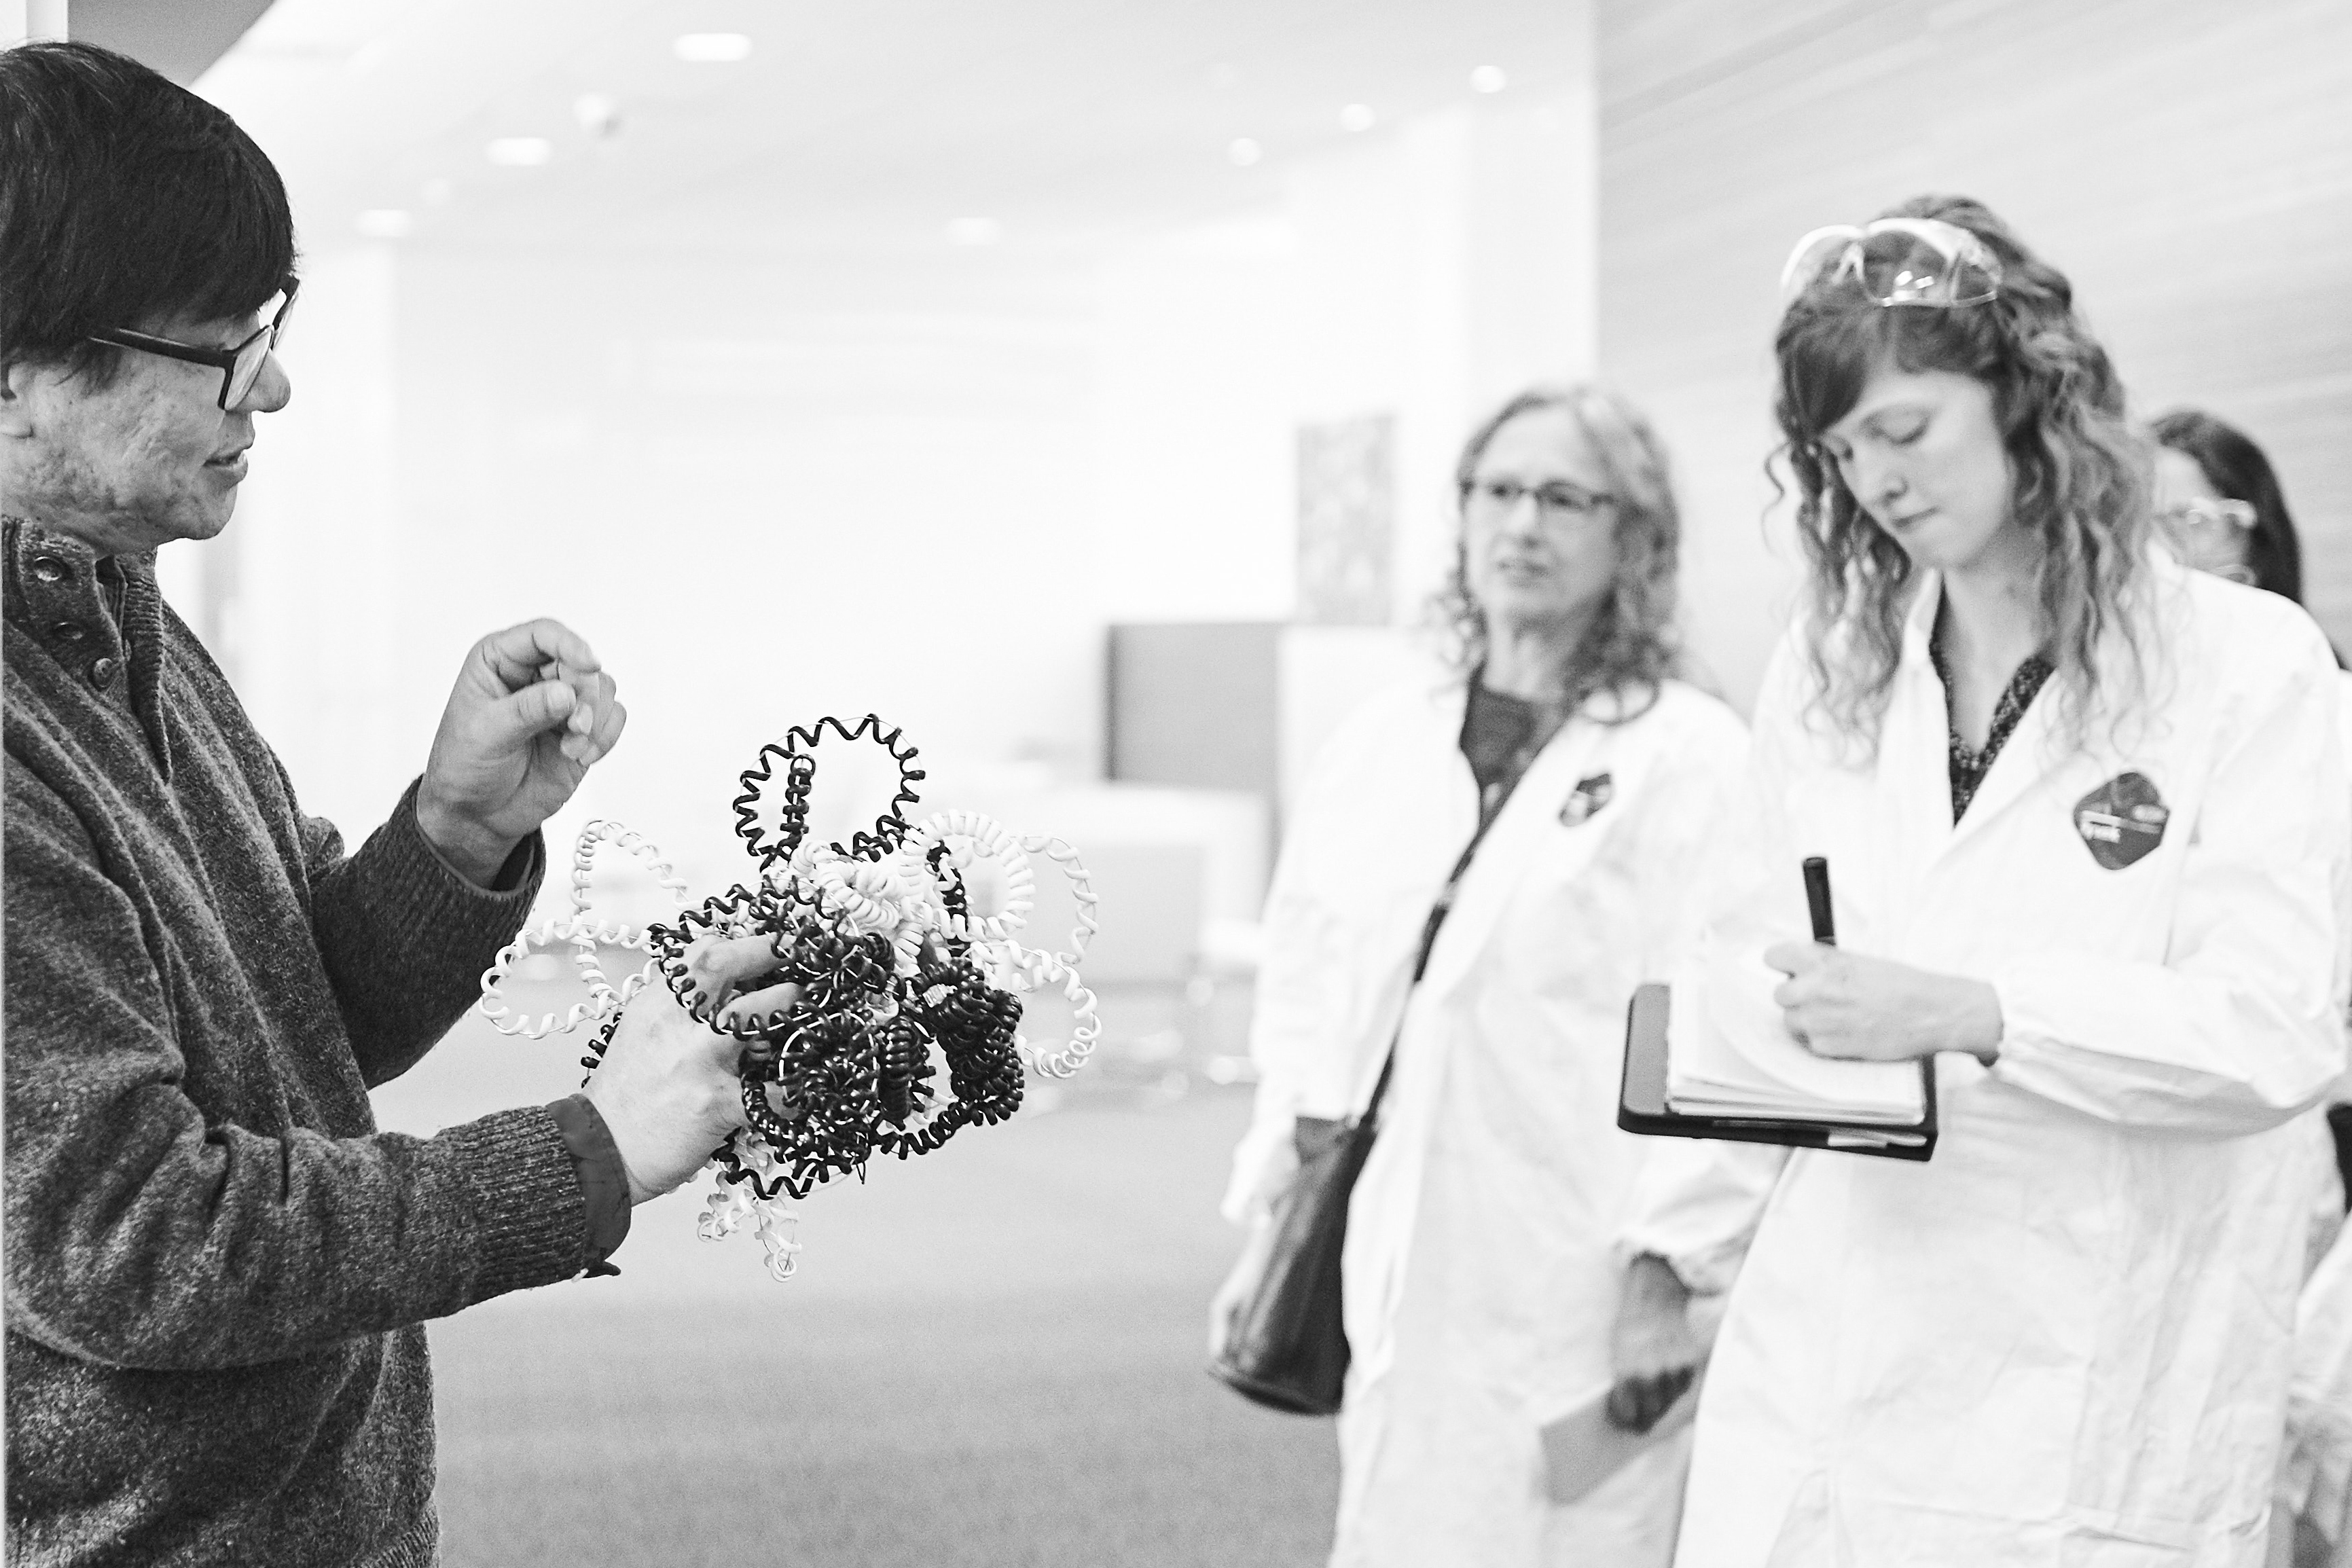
<point x="848" y="1071"/>
<point x="800" y="773"/>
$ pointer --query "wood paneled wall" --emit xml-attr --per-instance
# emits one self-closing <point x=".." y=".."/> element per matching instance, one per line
<point x="2187" y="163"/>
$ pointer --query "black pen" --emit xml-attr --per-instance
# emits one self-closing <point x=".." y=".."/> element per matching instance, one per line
<point x="1817" y="900"/>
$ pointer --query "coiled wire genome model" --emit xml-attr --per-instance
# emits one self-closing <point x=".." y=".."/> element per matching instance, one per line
<point x="907" y="1025"/>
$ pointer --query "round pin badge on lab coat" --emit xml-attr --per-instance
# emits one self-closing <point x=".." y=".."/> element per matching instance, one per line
<point x="1589" y="796"/>
<point x="2122" y="820"/>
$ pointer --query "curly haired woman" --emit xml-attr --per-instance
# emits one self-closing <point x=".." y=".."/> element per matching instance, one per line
<point x="1478" y="1281"/>
<point x="2087" y="812"/>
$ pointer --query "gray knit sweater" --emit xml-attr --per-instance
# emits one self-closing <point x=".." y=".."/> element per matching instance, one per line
<point x="217" y="1267"/>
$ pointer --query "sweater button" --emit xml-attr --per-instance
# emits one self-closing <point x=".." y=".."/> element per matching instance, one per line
<point x="50" y="568"/>
<point x="67" y="631"/>
<point x="102" y="673"/>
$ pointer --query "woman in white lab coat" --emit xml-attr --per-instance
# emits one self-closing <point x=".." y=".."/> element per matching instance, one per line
<point x="2220" y="508"/>
<point x="2086" y="813"/>
<point x="1478" y="1281"/>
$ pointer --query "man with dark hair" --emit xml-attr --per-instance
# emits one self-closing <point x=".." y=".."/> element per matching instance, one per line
<point x="216" y="1268"/>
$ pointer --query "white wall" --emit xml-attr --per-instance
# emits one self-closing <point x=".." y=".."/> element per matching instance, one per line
<point x="22" y="19"/>
<point x="770" y="488"/>
<point x="764" y="496"/>
<point x="1427" y="272"/>
<point x="1192" y="475"/>
<point x="305" y="599"/>
<point x="1443" y="268"/>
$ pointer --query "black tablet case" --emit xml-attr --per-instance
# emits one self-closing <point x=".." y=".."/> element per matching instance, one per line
<point x="1642" y="1100"/>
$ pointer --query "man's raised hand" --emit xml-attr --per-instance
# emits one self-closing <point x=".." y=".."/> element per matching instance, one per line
<point x="532" y="711"/>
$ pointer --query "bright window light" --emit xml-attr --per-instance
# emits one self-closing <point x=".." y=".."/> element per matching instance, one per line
<point x="386" y="223"/>
<point x="712" y="48"/>
<point x="1488" y="78"/>
<point x="521" y="151"/>
<point x="1244" y="152"/>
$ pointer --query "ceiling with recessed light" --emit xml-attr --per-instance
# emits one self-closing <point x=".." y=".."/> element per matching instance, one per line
<point x="180" y="38"/>
<point x="847" y="125"/>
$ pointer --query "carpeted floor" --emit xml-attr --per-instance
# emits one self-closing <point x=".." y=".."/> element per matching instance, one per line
<point x="991" y="1356"/>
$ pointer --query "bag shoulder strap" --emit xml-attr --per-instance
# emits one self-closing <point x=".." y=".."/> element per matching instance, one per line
<point x="1437" y="912"/>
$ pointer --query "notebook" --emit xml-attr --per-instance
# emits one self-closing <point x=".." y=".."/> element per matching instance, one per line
<point x="1782" y="1094"/>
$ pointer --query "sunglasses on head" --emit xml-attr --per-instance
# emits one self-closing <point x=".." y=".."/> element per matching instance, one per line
<point x="1896" y="261"/>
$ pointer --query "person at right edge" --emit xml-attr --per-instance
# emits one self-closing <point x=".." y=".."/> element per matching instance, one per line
<point x="2219" y="506"/>
<point x="2086" y="813"/>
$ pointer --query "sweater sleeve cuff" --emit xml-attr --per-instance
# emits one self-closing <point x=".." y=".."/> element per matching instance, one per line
<point x="530" y="1225"/>
<point x="522" y="874"/>
<point x="603" y="1178"/>
<point x="521" y="864"/>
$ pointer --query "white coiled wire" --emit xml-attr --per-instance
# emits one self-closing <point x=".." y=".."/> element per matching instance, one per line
<point x="870" y="897"/>
<point x="773" y="1219"/>
<point x="586" y="936"/>
<point x="1032" y="971"/>
<point x="994" y="841"/>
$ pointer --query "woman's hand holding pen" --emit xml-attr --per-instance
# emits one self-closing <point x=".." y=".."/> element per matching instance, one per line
<point x="1852" y="1006"/>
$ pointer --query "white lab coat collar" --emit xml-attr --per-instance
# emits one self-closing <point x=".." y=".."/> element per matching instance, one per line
<point x="2028" y="755"/>
<point x="2035" y="748"/>
<point x="1914" y="765"/>
<point x="1510" y="847"/>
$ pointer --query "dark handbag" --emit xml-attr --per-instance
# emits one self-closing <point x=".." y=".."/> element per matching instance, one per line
<point x="1288" y="1348"/>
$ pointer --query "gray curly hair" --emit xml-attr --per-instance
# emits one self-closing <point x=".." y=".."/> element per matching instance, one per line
<point x="1631" y="648"/>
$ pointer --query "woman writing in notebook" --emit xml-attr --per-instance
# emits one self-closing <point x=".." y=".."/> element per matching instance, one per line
<point x="1478" y="1279"/>
<point x="2085" y="811"/>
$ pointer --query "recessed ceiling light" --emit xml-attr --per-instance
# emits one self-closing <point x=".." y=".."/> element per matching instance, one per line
<point x="1357" y="116"/>
<point x="598" y="114"/>
<point x="438" y="191"/>
<point x="712" y="48"/>
<point x="520" y="152"/>
<point x="386" y="223"/>
<point x="1244" y="152"/>
<point x="1488" y="78"/>
<point x="975" y="231"/>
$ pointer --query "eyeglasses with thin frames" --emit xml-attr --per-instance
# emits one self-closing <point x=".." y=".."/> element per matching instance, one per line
<point x="1558" y="502"/>
<point x="2204" y="516"/>
<point x="240" y="367"/>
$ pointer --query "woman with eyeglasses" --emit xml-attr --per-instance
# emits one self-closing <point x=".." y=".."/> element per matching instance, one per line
<point x="1478" y="1280"/>
<point x="2219" y="506"/>
<point x="2086" y="816"/>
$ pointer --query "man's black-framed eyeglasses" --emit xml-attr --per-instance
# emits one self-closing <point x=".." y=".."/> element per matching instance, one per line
<point x="239" y="367"/>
